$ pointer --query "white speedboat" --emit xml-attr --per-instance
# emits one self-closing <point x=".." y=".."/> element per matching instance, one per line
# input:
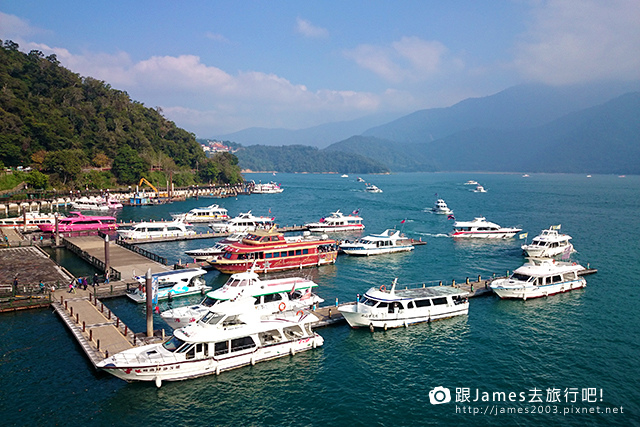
<point x="217" y="343"/>
<point x="360" y="179"/>
<point x="218" y="248"/>
<point x="33" y="219"/>
<point x="206" y="214"/>
<point x="337" y="222"/>
<point x="386" y="242"/>
<point x="263" y="297"/>
<point x="151" y="230"/>
<point x="382" y="308"/>
<point x="540" y="278"/>
<point x="481" y="228"/>
<point x="549" y="244"/>
<point x="268" y="188"/>
<point x="370" y="188"/>
<point x="480" y="189"/>
<point x="344" y="176"/>
<point x="471" y="182"/>
<point x="95" y="204"/>
<point x="170" y="284"/>
<point x="243" y="223"/>
<point x="441" y="207"/>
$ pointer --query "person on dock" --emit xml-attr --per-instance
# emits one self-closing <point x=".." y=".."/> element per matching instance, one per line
<point x="41" y="287"/>
<point x="72" y="286"/>
<point x="94" y="281"/>
<point x="84" y="283"/>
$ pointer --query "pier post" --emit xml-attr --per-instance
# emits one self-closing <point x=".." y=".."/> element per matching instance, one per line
<point x="106" y="255"/>
<point x="57" y="231"/>
<point x="149" y="294"/>
<point x="84" y="326"/>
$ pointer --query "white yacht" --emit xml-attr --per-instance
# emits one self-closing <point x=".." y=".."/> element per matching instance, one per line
<point x="441" y="208"/>
<point x="549" y="244"/>
<point x="217" y="343"/>
<point x="218" y="248"/>
<point x="33" y="218"/>
<point x="480" y="189"/>
<point x="481" y="228"/>
<point x="471" y="182"/>
<point x="386" y="242"/>
<point x="95" y="204"/>
<point x="540" y="278"/>
<point x="170" y="284"/>
<point x="379" y="308"/>
<point x="268" y="188"/>
<point x="245" y="292"/>
<point x="370" y="188"/>
<point x="151" y="230"/>
<point x="243" y="223"/>
<point x="206" y="214"/>
<point x="337" y="222"/>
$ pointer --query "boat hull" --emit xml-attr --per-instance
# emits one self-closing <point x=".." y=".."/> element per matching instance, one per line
<point x="363" y="251"/>
<point x="485" y="235"/>
<point x="524" y="292"/>
<point x="542" y="252"/>
<point x="185" y="369"/>
<point x="401" y="318"/>
<point x="274" y="264"/>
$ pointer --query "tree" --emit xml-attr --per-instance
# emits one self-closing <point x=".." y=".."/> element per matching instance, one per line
<point x="38" y="158"/>
<point x="209" y="171"/>
<point x="66" y="163"/>
<point x="128" y="167"/>
<point x="37" y="179"/>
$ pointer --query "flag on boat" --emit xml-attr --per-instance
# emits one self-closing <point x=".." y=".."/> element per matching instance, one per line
<point x="523" y="236"/>
<point x="356" y="212"/>
<point x="307" y="294"/>
<point x="451" y="217"/>
<point x="269" y="210"/>
<point x="321" y="219"/>
<point x="567" y="253"/>
<point x="402" y="222"/>
<point x="556" y="227"/>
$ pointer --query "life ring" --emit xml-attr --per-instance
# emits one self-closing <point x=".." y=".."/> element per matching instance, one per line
<point x="282" y="306"/>
<point x="299" y="313"/>
<point x="575" y="263"/>
<point x="383" y="288"/>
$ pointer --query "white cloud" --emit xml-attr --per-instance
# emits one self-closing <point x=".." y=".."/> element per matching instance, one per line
<point x="216" y="37"/>
<point x="13" y="28"/>
<point x="409" y="59"/>
<point x="307" y="29"/>
<point x="576" y="41"/>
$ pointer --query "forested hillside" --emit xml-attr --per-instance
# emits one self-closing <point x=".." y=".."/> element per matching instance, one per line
<point x="61" y="123"/>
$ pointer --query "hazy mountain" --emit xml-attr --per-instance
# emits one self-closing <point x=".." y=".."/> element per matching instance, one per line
<point x="317" y="136"/>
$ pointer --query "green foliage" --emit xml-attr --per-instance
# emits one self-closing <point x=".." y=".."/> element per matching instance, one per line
<point x="128" y="167"/>
<point x="37" y="180"/>
<point x="96" y="180"/>
<point x="299" y="158"/>
<point x="67" y="164"/>
<point x="11" y="180"/>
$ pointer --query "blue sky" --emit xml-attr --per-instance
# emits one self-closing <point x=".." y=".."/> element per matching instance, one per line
<point x="216" y="67"/>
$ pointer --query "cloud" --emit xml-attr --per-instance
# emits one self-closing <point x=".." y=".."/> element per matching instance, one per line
<point x="215" y="37"/>
<point x="307" y="29"/>
<point x="14" y="28"/>
<point x="410" y="58"/>
<point x="577" y="41"/>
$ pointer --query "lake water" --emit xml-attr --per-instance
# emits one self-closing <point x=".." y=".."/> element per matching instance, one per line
<point x="564" y="358"/>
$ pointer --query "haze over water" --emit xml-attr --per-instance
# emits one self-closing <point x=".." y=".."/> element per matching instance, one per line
<point x="585" y="341"/>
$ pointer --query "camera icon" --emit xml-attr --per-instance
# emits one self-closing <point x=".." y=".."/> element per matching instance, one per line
<point x="439" y="395"/>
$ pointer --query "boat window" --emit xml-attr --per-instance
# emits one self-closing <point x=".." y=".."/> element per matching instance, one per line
<point x="231" y="321"/>
<point x="305" y="251"/>
<point x="267" y="255"/>
<point x="423" y="303"/>
<point x="228" y="255"/>
<point x="258" y="301"/>
<point x="569" y="276"/>
<point x="232" y="282"/>
<point x="185" y="348"/>
<point x="272" y="297"/>
<point x="212" y="318"/>
<point x="283" y="254"/>
<point x="439" y="301"/>
<point x="276" y="254"/>
<point x="410" y="305"/>
<point x="242" y="344"/>
<point x="293" y="332"/>
<point x="221" y="348"/>
<point x="366" y="301"/>
<point x="298" y="252"/>
<point x="173" y="343"/>
<point x="556" y="279"/>
<point x="270" y="337"/>
<point x="521" y="277"/>
<point x="383" y="305"/>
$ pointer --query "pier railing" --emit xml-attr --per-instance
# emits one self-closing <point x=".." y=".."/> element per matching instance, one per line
<point x="145" y="253"/>
<point x="96" y="262"/>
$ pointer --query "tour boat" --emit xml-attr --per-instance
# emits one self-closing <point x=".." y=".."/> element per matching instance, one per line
<point x="243" y="222"/>
<point x="78" y="222"/>
<point x="151" y="230"/>
<point x="170" y="284"/>
<point x="382" y="308"/>
<point x="245" y="292"/>
<point x="337" y="222"/>
<point x="441" y="208"/>
<point x="386" y="242"/>
<point x="217" y="343"/>
<point x="268" y="188"/>
<point x="471" y="182"/>
<point x="272" y="251"/>
<point x="205" y="254"/>
<point x="95" y="204"/>
<point x="540" y="278"/>
<point x="370" y="188"/>
<point x="33" y="219"/>
<point x="548" y="244"/>
<point x="481" y="228"/>
<point x="206" y="214"/>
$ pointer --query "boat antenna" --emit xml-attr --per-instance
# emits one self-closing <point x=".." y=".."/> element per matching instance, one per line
<point x="393" y="286"/>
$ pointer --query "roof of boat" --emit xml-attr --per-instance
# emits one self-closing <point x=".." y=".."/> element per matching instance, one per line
<point x="178" y="272"/>
<point x="546" y="267"/>
<point x="415" y="293"/>
<point x="78" y="215"/>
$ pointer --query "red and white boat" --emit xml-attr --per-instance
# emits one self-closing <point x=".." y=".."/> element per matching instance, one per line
<point x="272" y="251"/>
<point x="337" y="221"/>
<point x="481" y="228"/>
<point x="78" y="222"/>
<point x="33" y="220"/>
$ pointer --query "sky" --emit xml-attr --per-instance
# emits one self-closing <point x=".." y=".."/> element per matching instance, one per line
<point x="217" y="67"/>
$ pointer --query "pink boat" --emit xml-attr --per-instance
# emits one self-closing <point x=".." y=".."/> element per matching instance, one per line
<point x="78" y="222"/>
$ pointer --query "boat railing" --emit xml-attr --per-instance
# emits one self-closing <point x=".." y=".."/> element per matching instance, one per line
<point x="417" y="285"/>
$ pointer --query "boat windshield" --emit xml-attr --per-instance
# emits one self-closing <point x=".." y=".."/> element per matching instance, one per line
<point x="236" y="282"/>
<point x="172" y="344"/>
<point x="212" y="318"/>
<point x="208" y="301"/>
<point x="521" y="277"/>
<point x="366" y="301"/>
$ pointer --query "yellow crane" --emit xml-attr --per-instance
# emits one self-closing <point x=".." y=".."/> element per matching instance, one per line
<point x="144" y="181"/>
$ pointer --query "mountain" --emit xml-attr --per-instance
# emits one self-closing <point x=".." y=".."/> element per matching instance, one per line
<point x="317" y="136"/>
<point x="599" y="139"/>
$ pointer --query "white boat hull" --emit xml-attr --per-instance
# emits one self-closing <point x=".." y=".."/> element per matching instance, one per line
<point x="140" y="297"/>
<point x="401" y="317"/>
<point x="175" y="370"/>
<point x="320" y="229"/>
<point x="542" y="252"/>
<point x="481" y="235"/>
<point x="363" y="251"/>
<point x="506" y="290"/>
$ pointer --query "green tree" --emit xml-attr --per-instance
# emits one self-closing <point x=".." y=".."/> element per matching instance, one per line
<point x="67" y="164"/>
<point x="209" y="171"/>
<point x="128" y="167"/>
<point x="37" y="179"/>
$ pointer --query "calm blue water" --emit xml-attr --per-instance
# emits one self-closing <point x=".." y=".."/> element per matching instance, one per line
<point x="586" y="339"/>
